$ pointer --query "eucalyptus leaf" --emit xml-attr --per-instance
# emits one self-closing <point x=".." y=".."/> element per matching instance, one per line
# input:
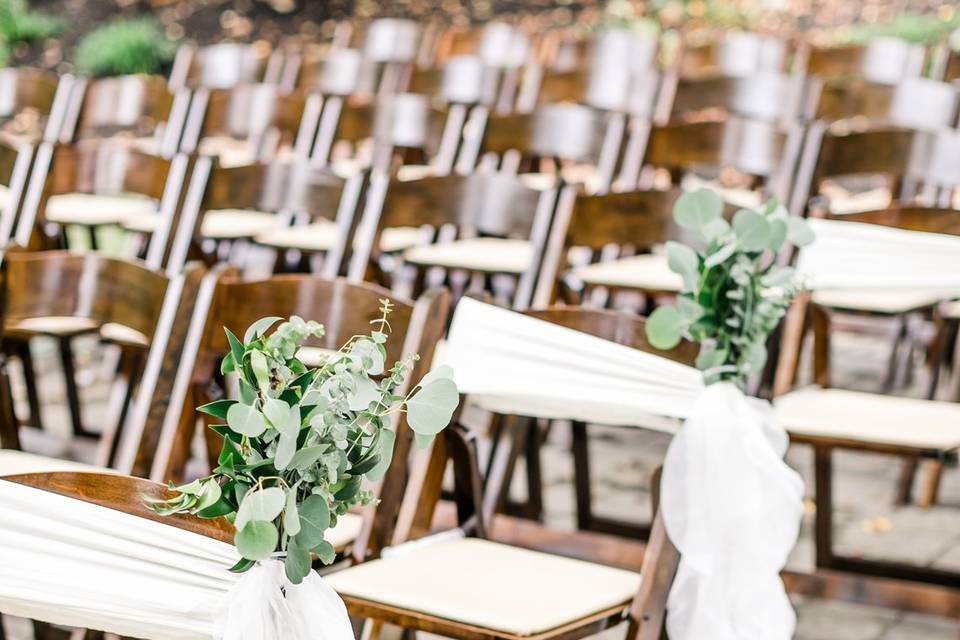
<point x="256" y="540"/>
<point x="720" y="256"/>
<point x="689" y="310"/>
<point x="218" y="408"/>
<point x="365" y="391"/>
<point x="236" y="347"/>
<point x="286" y="449"/>
<point x="246" y="420"/>
<point x="799" y="232"/>
<point x="211" y="494"/>
<point x="431" y="408"/>
<point x="277" y="412"/>
<point x="440" y="372"/>
<point x="325" y="552"/>
<point x="258" y="328"/>
<point x="683" y="260"/>
<point x="297" y="564"/>
<point x="387" y="440"/>
<point x="264" y="504"/>
<point x="314" y="520"/>
<point x="291" y="515"/>
<point x="696" y="209"/>
<point x="261" y="370"/>
<point x="664" y="328"/>
<point x="305" y="458"/>
<point x="752" y="230"/>
<point x="423" y="440"/>
<point x="778" y="234"/>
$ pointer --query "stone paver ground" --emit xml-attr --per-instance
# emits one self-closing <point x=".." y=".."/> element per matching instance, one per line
<point x="867" y="521"/>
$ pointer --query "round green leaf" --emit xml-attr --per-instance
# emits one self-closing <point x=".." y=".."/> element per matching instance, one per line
<point x="211" y="494"/>
<point x="430" y="410"/>
<point x="664" y="328"/>
<point x="258" y="328"/>
<point x="314" y="520"/>
<point x="246" y="420"/>
<point x="291" y="515"/>
<point x="752" y="230"/>
<point x="683" y="260"/>
<point x="696" y="209"/>
<point x="799" y="232"/>
<point x="297" y="564"/>
<point x="265" y="505"/>
<point x="387" y="441"/>
<point x="257" y="540"/>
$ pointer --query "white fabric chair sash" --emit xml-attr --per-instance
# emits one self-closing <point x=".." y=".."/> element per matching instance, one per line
<point x="730" y="504"/>
<point x="860" y="255"/>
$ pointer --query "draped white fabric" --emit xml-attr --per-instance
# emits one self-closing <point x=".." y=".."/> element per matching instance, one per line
<point x="70" y="562"/>
<point x="859" y="255"/>
<point x="730" y="504"/>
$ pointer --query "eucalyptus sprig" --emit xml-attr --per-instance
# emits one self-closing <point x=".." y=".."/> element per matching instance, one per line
<point x="299" y="442"/>
<point x="734" y="290"/>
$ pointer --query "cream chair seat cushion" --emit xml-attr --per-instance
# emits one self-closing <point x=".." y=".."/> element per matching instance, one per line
<point x="345" y="532"/>
<point x="489" y="255"/>
<point x="230" y="152"/>
<point x="851" y="415"/>
<point x="321" y="235"/>
<point x="142" y="222"/>
<point x="4" y="197"/>
<point x="490" y="585"/>
<point x="891" y="301"/>
<point x="648" y="272"/>
<point x="91" y="209"/>
<point x="951" y="310"/>
<point x="69" y="325"/>
<point x="16" y="462"/>
<point x="743" y="198"/>
<point x="843" y="201"/>
<point x="230" y="224"/>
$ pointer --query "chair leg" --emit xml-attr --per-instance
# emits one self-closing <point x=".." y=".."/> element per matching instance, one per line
<point x="581" y="474"/>
<point x="891" y="377"/>
<point x="534" y="507"/>
<point x="30" y="379"/>
<point x="908" y="473"/>
<point x="70" y="382"/>
<point x="9" y="426"/>
<point x="931" y="484"/>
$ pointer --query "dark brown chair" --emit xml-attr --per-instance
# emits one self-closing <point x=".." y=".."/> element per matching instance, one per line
<point x="883" y="60"/>
<point x="251" y="123"/>
<point x="573" y="142"/>
<point x="224" y="65"/>
<point x="918" y="103"/>
<point x="94" y="183"/>
<point x="735" y="54"/>
<point x="128" y="304"/>
<point x="770" y="96"/>
<point x="595" y="597"/>
<point x="487" y="225"/>
<point x="35" y="104"/>
<point x="613" y="234"/>
<point x="139" y="109"/>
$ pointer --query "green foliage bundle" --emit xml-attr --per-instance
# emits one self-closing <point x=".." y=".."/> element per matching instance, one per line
<point x="124" y="47"/>
<point x="734" y="291"/>
<point x="19" y="24"/>
<point x="300" y="441"/>
<point x="921" y="28"/>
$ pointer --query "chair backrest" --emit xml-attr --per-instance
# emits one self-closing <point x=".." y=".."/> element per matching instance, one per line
<point x="344" y="308"/>
<point x="250" y="123"/>
<point x="480" y="204"/>
<point x="884" y="60"/>
<point x="569" y="133"/>
<point x="837" y="150"/>
<point x="770" y="96"/>
<point x="635" y="221"/>
<point x="135" y="106"/>
<point x="738" y="54"/>
<point x="102" y="290"/>
<point x="103" y="168"/>
<point x="752" y="147"/>
<point x="33" y="103"/>
<point x="223" y="65"/>
<point x="918" y="103"/>
<point x="14" y="172"/>
<point x="935" y="165"/>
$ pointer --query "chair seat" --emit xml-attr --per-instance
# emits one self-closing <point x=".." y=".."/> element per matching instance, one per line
<point x="314" y="356"/>
<point x="843" y="201"/>
<point x="888" y="301"/>
<point x="230" y="152"/>
<point x="230" y="224"/>
<point x="4" y="197"/>
<point x="490" y="255"/>
<point x="60" y="326"/>
<point x="648" y="272"/>
<point x="408" y="172"/>
<point x="505" y="589"/>
<point x="316" y="236"/>
<point x="347" y="529"/>
<point x="142" y="222"/>
<point x="92" y="210"/>
<point x="951" y="310"/>
<point x="16" y="462"/>
<point x="737" y="197"/>
<point x="837" y="414"/>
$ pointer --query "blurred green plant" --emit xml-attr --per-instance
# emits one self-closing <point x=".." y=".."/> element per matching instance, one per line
<point x="4" y="53"/>
<point x="124" y="47"/>
<point x="922" y="28"/>
<point x="19" y="24"/>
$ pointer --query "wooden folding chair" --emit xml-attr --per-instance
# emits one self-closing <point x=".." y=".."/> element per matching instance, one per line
<point x="830" y="419"/>
<point x="744" y="161"/>
<point x="127" y="304"/>
<point x="514" y="593"/>
<point x="885" y="60"/>
<point x="224" y="65"/>
<point x="770" y="96"/>
<point x="96" y="183"/>
<point x="397" y="129"/>
<point x="35" y="104"/>
<point x="475" y="229"/>
<point x="344" y="308"/>
<point x="608" y="241"/>
<point x="568" y="141"/>
<point x="251" y="123"/>
<point x="917" y="103"/>
<point x="138" y="109"/>
<point x="737" y="54"/>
